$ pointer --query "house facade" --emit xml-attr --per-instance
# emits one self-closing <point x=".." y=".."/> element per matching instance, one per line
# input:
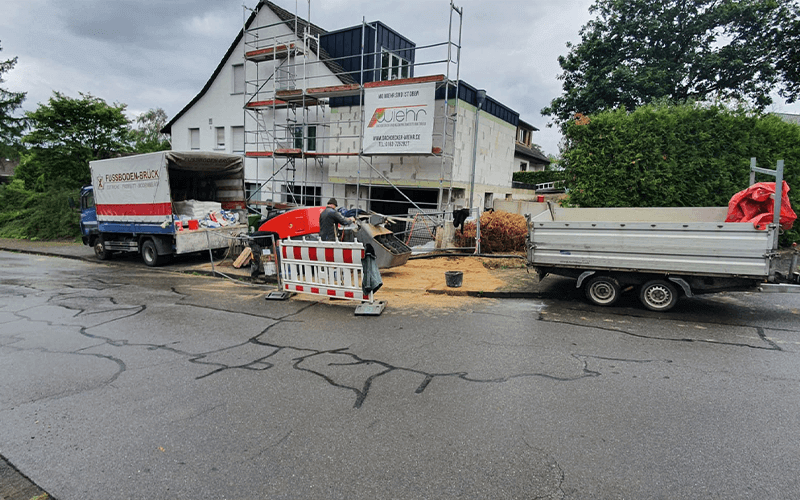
<point x="289" y="96"/>
<point x="527" y="156"/>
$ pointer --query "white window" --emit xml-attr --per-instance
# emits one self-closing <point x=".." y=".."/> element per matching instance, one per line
<point x="238" y="139"/>
<point x="253" y="191"/>
<point x="238" y="78"/>
<point x="393" y="66"/>
<point x="310" y="137"/>
<point x="194" y="138"/>
<point x="220" y="138"/>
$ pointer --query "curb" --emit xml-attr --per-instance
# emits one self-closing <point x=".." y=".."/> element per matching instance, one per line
<point x="487" y="295"/>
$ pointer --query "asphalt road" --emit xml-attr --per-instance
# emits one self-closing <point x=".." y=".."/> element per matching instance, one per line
<point x="121" y="382"/>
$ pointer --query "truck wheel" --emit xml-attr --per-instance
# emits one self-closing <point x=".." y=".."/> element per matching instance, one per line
<point x="150" y="253"/>
<point x="658" y="295"/>
<point x="602" y="290"/>
<point x="100" y="249"/>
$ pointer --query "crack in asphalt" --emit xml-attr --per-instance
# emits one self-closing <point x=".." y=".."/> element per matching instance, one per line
<point x="772" y="346"/>
<point x="315" y="362"/>
<point x="303" y="358"/>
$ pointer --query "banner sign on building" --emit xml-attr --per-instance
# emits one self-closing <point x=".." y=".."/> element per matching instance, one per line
<point x="399" y="119"/>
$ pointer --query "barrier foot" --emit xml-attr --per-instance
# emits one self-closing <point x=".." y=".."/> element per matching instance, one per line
<point x="278" y="295"/>
<point x="367" y="309"/>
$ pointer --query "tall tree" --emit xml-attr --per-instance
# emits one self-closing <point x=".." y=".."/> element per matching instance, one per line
<point x="66" y="134"/>
<point x="637" y="51"/>
<point x="147" y="136"/>
<point x="11" y="127"/>
<point x="787" y="49"/>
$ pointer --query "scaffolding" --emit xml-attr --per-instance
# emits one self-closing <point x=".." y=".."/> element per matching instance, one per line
<point x="294" y="136"/>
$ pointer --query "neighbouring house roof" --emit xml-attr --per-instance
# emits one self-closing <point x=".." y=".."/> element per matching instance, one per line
<point x="7" y="168"/>
<point x="532" y="154"/>
<point x="789" y="117"/>
<point x="288" y="18"/>
<point x="526" y="125"/>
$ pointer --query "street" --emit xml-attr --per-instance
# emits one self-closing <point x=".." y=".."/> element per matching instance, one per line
<point x="125" y="382"/>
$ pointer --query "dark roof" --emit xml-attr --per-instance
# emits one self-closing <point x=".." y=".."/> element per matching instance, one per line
<point x="524" y="124"/>
<point x="531" y="153"/>
<point x="288" y="18"/>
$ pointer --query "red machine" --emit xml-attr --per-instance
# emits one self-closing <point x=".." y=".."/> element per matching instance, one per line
<point x="296" y="222"/>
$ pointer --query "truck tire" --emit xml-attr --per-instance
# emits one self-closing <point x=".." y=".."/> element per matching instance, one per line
<point x="150" y="253"/>
<point x="658" y="295"/>
<point x="100" y="249"/>
<point x="602" y="290"/>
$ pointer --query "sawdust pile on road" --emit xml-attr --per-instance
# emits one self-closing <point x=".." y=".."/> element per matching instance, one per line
<point x="406" y="286"/>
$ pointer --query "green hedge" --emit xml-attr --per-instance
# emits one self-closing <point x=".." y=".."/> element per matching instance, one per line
<point x="676" y="156"/>
<point x="33" y="215"/>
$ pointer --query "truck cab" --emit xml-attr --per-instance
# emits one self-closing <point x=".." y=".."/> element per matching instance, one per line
<point x="89" y="230"/>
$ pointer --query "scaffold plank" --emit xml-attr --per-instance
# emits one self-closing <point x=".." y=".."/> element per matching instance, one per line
<point x="404" y="81"/>
<point x="270" y="53"/>
<point x="335" y="90"/>
<point x="296" y="96"/>
<point x="297" y="153"/>
<point x="270" y="103"/>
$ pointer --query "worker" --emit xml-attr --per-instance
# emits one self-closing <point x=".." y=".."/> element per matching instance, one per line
<point x="328" y="219"/>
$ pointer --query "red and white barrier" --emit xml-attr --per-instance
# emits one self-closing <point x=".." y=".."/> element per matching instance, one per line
<point x="326" y="268"/>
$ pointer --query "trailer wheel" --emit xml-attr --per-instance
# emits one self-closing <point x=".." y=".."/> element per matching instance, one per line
<point x="100" y="249"/>
<point x="658" y="295"/>
<point x="150" y="254"/>
<point x="602" y="290"/>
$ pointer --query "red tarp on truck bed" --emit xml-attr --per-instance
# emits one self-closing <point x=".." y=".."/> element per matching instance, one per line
<point x="756" y="204"/>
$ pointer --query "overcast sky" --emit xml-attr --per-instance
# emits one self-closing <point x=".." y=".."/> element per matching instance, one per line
<point x="159" y="53"/>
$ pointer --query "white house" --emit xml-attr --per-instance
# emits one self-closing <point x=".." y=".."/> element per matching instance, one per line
<point x="289" y="96"/>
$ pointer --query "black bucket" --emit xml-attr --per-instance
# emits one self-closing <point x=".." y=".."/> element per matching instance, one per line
<point x="453" y="278"/>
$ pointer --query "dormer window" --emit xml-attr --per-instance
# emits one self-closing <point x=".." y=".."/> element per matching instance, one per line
<point x="393" y="66"/>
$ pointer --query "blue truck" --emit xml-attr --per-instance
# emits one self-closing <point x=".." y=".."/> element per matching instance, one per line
<point x="164" y="204"/>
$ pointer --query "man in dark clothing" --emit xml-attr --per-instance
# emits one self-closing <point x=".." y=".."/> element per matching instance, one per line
<point x="328" y="219"/>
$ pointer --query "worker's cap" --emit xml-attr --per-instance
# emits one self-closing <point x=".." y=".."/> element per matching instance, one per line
<point x="332" y="201"/>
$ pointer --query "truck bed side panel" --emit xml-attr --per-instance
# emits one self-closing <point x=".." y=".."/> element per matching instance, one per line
<point x="201" y="239"/>
<point x="700" y="248"/>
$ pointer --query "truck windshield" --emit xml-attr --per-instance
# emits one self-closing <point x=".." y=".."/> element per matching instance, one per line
<point x="87" y="200"/>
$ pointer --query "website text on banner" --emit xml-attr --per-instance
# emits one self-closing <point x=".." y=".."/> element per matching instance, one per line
<point x="325" y="268"/>
<point x="399" y="119"/>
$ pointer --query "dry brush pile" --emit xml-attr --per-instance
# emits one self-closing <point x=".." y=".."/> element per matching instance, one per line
<point x="501" y="232"/>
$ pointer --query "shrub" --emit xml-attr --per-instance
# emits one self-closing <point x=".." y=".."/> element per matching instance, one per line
<point x="35" y="215"/>
<point x="500" y="232"/>
<point x="689" y="155"/>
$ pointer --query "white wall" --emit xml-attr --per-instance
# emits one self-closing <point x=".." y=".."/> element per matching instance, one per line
<point x="221" y="107"/>
<point x="494" y="161"/>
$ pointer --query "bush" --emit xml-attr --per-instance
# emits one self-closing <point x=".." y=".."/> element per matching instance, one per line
<point x="37" y="216"/>
<point x="500" y="232"/>
<point x="689" y="155"/>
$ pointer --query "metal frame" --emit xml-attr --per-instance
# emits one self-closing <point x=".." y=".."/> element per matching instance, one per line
<point x="297" y="168"/>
